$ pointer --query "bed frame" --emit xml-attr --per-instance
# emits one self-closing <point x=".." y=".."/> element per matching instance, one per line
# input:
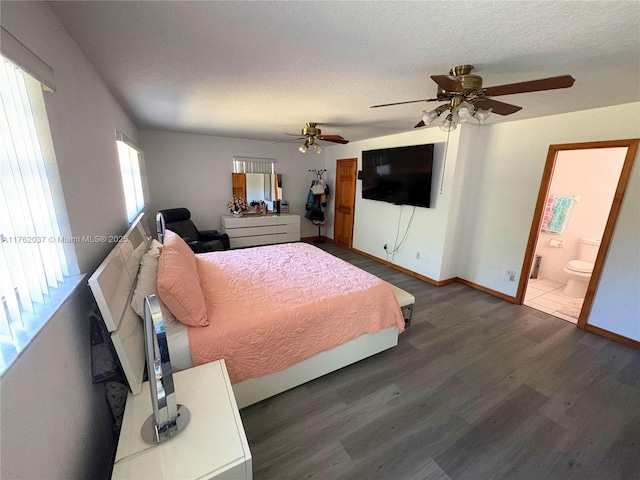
<point x="112" y="285"/>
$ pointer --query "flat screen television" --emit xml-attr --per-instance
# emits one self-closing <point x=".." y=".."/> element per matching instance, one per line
<point x="400" y="175"/>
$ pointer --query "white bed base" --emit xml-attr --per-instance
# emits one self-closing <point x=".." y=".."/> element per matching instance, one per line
<point x="112" y="284"/>
<point x="254" y="390"/>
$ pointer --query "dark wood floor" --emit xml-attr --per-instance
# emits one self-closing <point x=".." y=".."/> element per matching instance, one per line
<point x="477" y="388"/>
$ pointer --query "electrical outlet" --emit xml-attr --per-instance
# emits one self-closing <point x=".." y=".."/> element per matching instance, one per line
<point x="417" y="255"/>
<point x="512" y="275"/>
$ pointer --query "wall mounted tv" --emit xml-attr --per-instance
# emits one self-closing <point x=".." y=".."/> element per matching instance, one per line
<point x="400" y="175"/>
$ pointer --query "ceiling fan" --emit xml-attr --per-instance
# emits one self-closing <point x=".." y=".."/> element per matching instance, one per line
<point x="310" y="134"/>
<point x="468" y="99"/>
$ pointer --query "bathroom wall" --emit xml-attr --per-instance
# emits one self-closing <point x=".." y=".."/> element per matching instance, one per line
<point x="593" y="176"/>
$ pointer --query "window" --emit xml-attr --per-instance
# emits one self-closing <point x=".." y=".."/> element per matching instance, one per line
<point x="254" y="165"/>
<point x="130" y="163"/>
<point x="33" y="261"/>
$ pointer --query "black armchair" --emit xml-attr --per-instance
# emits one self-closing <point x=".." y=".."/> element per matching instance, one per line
<point x="178" y="220"/>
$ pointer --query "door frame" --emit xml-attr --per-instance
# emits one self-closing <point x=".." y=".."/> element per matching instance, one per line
<point x="545" y="184"/>
<point x="353" y="207"/>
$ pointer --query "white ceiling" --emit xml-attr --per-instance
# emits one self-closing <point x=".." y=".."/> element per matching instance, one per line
<point x="256" y="69"/>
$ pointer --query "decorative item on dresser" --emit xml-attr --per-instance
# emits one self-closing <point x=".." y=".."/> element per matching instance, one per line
<point x="237" y="206"/>
<point x="259" y="207"/>
<point x="255" y="230"/>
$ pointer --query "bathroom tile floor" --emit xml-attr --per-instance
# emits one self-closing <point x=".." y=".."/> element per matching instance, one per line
<point x="547" y="296"/>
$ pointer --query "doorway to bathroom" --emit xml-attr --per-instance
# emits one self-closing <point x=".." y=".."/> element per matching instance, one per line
<point x="579" y="199"/>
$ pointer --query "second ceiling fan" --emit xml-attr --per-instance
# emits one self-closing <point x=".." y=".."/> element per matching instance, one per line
<point x="310" y="134"/>
<point x="466" y="98"/>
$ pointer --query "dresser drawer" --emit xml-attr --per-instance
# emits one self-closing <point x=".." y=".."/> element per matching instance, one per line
<point x="249" y="231"/>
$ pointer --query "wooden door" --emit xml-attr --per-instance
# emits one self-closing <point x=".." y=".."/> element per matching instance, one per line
<point x="239" y="185"/>
<point x="345" y="201"/>
<point x="632" y="146"/>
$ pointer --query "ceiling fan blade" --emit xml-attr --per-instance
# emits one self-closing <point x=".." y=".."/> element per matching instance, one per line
<point x="291" y="140"/>
<point x="552" y="83"/>
<point x="333" y="138"/>
<point x="420" y="124"/>
<point x="449" y="83"/>
<point x="402" y="103"/>
<point x="293" y="135"/>
<point x="500" y="108"/>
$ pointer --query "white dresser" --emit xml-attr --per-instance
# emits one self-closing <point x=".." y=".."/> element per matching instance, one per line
<point x="213" y="445"/>
<point x="252" y="230"/>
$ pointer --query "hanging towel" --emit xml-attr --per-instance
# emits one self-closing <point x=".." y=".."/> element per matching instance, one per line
<point x="560" y="212"/>
<point x="546" y="216"/>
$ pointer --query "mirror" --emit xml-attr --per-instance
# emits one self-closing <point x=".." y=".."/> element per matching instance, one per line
<point x="257" y="186"/>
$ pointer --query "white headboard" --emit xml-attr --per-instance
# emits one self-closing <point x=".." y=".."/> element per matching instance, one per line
<point x="112" y="286"/>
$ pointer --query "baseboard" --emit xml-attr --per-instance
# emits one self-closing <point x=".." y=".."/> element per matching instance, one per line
<point x="490" y="291"/>
<point x="612" y="336"/>
<point x="437" y="283"/>
<point x="314" y="238"/>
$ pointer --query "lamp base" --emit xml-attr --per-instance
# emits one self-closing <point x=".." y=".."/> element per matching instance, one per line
<point x="150" y="434"/>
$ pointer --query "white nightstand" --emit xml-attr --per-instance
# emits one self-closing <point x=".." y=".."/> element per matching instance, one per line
<point x="212" y="446"/>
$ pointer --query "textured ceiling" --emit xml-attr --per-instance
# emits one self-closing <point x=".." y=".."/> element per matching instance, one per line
<point x="256" y="69"/>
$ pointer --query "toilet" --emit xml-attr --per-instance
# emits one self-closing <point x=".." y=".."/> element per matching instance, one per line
<point x="580" y="269"/>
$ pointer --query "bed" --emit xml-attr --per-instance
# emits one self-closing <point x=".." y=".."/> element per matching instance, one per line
<point x="241" y="294"/>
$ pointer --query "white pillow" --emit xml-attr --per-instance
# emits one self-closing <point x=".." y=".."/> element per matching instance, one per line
<point x="146" y="284"/>
<point x="154" y="249"/>
<point x="134" y="260"/>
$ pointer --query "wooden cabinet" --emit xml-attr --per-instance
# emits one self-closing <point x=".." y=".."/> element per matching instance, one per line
<point x="252" y="230"/>
<point x="213" y="445"/>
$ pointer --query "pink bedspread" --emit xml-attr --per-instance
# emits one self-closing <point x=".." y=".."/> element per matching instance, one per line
<point x="271" y="307"/>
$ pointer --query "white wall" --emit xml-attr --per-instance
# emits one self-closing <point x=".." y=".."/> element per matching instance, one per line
<point x="505" y="183"/>
<point x="194" y="171"/>
<point x="55" y="422"/>
<point x="592" y="175"/>
<point x="479" y="226"/>
<point x="376" y="223"/>
<point x="616" y="306"/>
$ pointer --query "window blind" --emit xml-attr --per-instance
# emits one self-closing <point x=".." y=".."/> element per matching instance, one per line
<point x="253" y="165"/>
<point x="32" y="257"/>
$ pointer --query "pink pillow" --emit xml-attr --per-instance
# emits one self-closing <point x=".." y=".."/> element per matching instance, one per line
<point x="179" y="282"/>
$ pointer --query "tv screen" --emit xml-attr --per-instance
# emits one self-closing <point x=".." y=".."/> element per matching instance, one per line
<point x="400" y="175"/>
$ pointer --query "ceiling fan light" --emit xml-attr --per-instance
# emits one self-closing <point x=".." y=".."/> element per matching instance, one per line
<point x="448" y="125"/>
<point x="463" y="112"/>
<point x="303" y="148"/>
<point x="429" y="117"/>
<point x="318" y="148"/>
<point x="482" y="115"/>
